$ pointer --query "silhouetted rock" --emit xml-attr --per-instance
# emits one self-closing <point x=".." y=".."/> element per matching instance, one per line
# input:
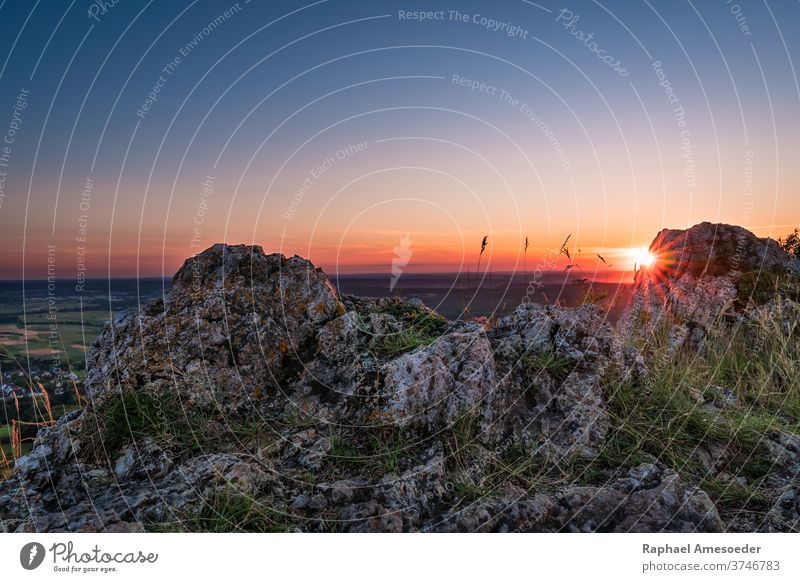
<point x="702" y="271"/>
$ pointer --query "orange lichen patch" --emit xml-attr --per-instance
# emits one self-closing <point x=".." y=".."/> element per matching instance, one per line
<point x="378" y="416"/>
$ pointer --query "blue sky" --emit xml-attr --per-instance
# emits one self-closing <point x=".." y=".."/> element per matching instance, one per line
<point x="556" y="142"/>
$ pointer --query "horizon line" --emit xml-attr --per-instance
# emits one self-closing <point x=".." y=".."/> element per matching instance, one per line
<point x="330" y="275"/>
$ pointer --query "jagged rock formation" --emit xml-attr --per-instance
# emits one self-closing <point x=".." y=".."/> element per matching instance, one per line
<point x="702" y="271"/>
<point x="255" y="385"/>
<point x="236" y="322"/>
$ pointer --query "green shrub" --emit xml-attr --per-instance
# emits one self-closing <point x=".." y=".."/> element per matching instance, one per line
<point x="418" y="319"/>
<point x="397" y="343"/>
<point x="791" y="244"/>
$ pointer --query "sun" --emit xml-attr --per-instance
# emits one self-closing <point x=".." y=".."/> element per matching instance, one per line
<point x="642" y="257"/>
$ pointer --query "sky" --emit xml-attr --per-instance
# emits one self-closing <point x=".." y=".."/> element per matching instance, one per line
<point x="363" y="135"/>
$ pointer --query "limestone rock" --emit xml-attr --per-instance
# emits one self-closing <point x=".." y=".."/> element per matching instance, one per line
<point x="431" y="386"/>
<point x="704" y="270"/>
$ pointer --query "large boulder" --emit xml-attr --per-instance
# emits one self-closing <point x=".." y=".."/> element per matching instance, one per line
<point x="550" y="365"/>
<point x="431" y="387"/>
<point x="233" y="327"/>
<point x="704" y="270"/>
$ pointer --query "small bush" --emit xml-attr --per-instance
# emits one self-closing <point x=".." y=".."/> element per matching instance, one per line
<point x="791" y="244"/>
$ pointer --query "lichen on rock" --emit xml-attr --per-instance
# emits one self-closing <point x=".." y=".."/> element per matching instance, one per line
<point x="253" y="384"/>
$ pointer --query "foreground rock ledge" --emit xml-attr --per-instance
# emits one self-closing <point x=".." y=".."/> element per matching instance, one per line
<point x="254" y="382"/>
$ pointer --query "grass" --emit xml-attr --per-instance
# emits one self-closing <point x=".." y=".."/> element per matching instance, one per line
<point x="182" y="430"/>
<point x="372" y="450"/>
<point x="547" y="361"/>
<point x="345" y="455"/>
<point x="16" y="437"/>
<point x="759" y="362"/>
<point x="6" y="471"/>
<point x="759" y="287"/>
<point x="398" y="343"/>
<point x="132" y="417"/>
<point x="230" y="511"/>
<point x="420" y="327"/>
<point x="461" y="448"/>
<point x="419" y="320"/>
<point x="667" y="418"/>
<point x="467" y="490"/>
<point x="390" y="451"/>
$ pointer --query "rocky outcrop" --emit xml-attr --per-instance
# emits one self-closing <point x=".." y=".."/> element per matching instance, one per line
<point x="430" y="387"/>
<point x="235" y="323"/>
<point x="551" y="361"/>
<point x="647" y="499"/>
<point x="702" y="271"/>
<point x="253" y="384"/>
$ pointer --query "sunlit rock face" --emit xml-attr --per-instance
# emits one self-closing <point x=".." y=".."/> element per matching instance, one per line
<point x="703" y="271"/>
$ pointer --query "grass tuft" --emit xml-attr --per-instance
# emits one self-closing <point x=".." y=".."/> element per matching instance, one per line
<point x="231" y="511"/>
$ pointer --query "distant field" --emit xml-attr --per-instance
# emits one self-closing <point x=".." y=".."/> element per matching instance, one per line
<point x="497" y="295"/>
<point x="25" y="333"/>
<point x="25" y="330"/>
<point x="35" y="338"/>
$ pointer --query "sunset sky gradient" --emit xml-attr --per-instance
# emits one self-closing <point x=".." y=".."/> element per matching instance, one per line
<point x="332" y="129"/>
